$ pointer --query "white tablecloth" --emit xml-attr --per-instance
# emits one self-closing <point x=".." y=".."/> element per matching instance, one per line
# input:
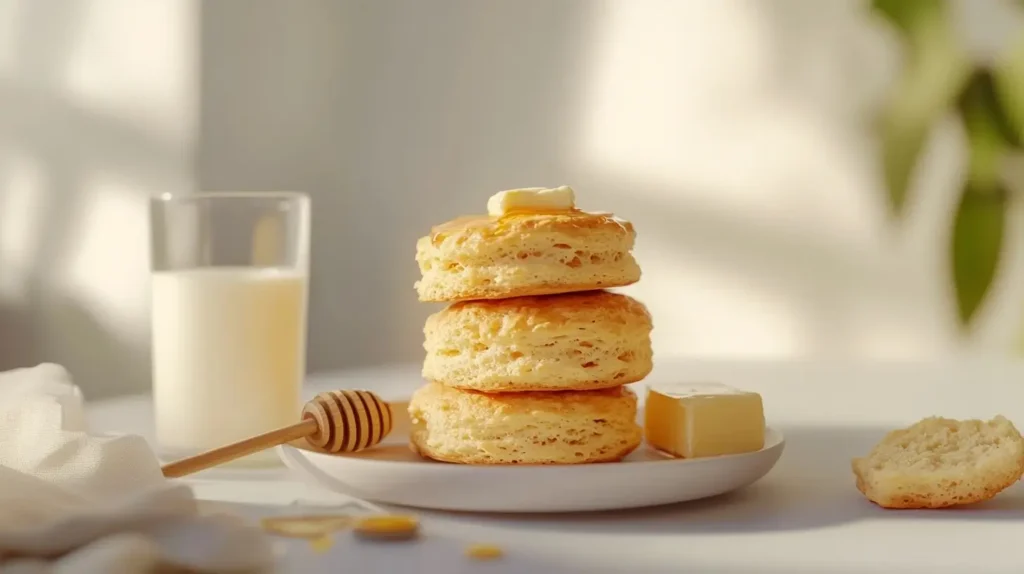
<point x="805" y="516"/>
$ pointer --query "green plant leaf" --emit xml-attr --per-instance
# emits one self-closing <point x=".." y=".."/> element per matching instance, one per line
<point x="935" y="71"/>
<point x="977" y="244"/>
<point x="907" y="14"/>
<point x="980" y="221"/>
<point x="1009" y="87"/>
<point x="990" y="134"/>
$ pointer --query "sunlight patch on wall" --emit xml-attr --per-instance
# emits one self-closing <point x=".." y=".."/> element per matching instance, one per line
<point x="10" y="13"/>
<point x="136" y="60"/>
<point x="700" y="311"/>
<point x="108" y="262"/>
<point x="22" y="197"/>
<point x="684" y="100"/>
<point x="889" y="334"/>
<point x="657" y="67"/>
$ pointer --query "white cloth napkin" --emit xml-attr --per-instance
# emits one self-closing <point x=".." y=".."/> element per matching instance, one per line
<point x="75" y="502"/>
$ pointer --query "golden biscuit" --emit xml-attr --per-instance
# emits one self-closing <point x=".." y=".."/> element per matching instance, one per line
<point x="567" y="427"/>
<point x="524" y="254"/>
<point x="940" y="462"/>
<point x="576" y="341"/>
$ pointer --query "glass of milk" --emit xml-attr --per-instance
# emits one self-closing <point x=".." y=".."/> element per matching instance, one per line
<point x="229" y="288"/>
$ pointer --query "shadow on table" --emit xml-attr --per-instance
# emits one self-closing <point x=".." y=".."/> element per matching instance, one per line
<point x="443" y="549"/>
<point x="438" y="551"/>
<point x="812" y="486"/>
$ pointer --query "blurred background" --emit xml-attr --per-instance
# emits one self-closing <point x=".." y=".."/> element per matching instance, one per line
<point x="808" y="178"/>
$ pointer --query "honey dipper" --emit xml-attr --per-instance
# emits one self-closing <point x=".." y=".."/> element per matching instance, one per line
<point x="335" y="421"/>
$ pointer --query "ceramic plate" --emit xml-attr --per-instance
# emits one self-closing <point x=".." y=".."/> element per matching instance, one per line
<point x="391" y="473"/>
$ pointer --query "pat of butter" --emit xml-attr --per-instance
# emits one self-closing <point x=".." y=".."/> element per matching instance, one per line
<point x="531" y="199"/>
<point x="698" y="420"/>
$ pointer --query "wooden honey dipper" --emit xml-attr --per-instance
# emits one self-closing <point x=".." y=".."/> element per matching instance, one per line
<point x="335" y="421"/>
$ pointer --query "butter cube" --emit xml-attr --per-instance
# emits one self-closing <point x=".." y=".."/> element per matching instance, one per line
<point x="531" y="199"/>
<point x="698" y="420"/>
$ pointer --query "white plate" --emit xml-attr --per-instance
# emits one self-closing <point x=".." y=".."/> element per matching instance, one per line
<point x="392" y="474"/>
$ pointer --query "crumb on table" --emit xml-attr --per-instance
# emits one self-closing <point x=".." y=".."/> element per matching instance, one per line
<point x="484" y="552"/>
<point x="387" y="527"/>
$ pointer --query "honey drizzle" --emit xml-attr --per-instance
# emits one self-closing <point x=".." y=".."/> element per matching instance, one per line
<point x="438" y="232"/>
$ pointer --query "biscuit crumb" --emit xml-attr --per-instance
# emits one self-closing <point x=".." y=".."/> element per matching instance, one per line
<point x="484" y="552"/>
<point x="388" y="527"/>
<point x="939" y="462"/>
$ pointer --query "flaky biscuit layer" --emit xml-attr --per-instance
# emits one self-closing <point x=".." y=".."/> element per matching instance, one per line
<point x="525" y="254"/>
<point x="470" y="427"/>
<point x="576" y="341"/>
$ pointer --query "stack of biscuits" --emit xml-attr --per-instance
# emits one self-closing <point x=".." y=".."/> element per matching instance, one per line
<point x="527" y="363"/>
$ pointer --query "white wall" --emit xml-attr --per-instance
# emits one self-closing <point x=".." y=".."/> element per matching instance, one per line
<point x="96" y="113"/>
<point x="731" y="132"/>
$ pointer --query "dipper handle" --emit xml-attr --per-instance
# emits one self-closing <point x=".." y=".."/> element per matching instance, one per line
<point x="335" y="421"/>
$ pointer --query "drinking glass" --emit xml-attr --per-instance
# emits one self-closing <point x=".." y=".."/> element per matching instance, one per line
<point x="229" y="293"/>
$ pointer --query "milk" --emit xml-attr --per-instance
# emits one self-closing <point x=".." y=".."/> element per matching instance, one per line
<point x="228" y="354"/>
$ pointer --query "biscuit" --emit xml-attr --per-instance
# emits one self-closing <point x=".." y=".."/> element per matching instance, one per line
<point x="940" y="462"/>
<point x="575" y="341"/>
<point x="568" y="427"/>
<point x="524" y="254"/>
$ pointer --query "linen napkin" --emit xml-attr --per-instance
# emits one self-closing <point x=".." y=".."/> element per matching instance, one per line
<point x="71" y="501"/>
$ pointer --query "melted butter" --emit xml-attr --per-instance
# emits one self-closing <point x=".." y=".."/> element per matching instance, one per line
<point x="307" y="526"/>
<point x="321" y="544"/>
<point x="466" y="221"/>
<point x="499" y="223"/>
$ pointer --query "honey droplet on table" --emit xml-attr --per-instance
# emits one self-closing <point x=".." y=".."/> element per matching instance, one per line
<point x="321" y="544"/>
<point x="484" y="552"/>
<point x="388" y="527"/>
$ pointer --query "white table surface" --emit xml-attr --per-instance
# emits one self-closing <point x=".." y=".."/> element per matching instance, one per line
<point x="805" y="516"/>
